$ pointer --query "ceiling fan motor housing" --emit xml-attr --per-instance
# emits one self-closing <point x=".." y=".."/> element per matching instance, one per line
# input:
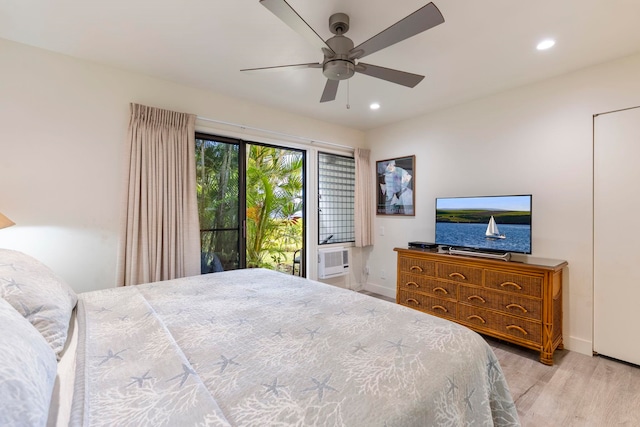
<point x="339" y="66"/>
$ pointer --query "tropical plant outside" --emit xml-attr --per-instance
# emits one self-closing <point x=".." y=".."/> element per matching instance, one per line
<point x="273" y="204"/>
<point x="217" y="185"/>
<point x="274" y="200"/>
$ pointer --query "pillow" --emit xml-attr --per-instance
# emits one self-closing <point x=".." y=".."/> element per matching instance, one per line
<point x="27" y="371"/>
<point x="38" y="294"/>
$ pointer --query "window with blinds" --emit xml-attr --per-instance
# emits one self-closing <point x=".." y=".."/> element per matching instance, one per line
<point x="336" y="184"/>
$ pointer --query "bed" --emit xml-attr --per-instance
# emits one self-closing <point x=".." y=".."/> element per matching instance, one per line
<point x="237" y="348"/>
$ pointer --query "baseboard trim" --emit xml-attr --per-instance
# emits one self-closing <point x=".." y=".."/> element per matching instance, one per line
<point x="381" y="290"/>
<point x="579" y="345"/>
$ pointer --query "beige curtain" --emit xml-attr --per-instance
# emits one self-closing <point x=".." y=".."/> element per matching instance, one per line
<point x="160" y="237"/>
<point x="364" y="202"/>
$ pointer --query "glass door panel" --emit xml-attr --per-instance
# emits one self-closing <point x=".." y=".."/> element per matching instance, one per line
<point x="275" y="208"/>
<point x="219" y="200"/>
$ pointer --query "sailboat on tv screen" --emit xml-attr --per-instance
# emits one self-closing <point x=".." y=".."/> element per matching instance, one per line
<point x="492" y="230"/>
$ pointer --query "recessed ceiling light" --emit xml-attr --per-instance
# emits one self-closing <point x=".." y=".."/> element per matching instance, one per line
<point x="374" y="106"/>
<point x="545" y="44"/>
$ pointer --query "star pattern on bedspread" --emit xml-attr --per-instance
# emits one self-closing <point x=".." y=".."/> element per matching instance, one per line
<point x="186" y="371"/>
<point x="397" y="345"/>
<point x="312" y="332"/>
<point x="359" y="347"/>
<point x="305" y="303"/>
<point x="467" y="399"/>
<point x="111" y="355"/>
<point x="372" y="311"/>
<point x="27" y="312"/>
<point x="321" y="386"/>
<point x="226" y="362"/>
<point x="492" y="365"/>
<point x="140" y="380"/>
<point x="452" y="387"/>
<point x="278" y="333"/>
<point x="273" y="387"/>
<point x="342" y="313"/>
<point x="11" y="283"/>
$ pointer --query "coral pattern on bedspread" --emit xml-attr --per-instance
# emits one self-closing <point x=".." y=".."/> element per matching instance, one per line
<point x="261" y="348"/>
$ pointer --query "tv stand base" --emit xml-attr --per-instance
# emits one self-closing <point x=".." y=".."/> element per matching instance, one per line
<point x="504" y="257"/>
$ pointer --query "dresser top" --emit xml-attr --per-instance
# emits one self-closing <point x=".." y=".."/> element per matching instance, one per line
<point x="516" y="259"/>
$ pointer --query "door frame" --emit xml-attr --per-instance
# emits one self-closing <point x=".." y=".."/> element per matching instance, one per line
<point x="242" y="183"/>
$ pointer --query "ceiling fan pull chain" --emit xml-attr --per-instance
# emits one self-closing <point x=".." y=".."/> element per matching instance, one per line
<point x="348" y="106"/>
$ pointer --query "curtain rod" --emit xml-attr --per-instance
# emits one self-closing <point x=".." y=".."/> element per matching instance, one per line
<point x="286" y="135"/>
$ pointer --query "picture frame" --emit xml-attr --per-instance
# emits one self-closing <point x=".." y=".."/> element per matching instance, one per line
<point x="395" y="186"/>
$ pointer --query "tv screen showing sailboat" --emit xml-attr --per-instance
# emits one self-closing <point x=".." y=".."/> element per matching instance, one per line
<point x="488" y="223"/>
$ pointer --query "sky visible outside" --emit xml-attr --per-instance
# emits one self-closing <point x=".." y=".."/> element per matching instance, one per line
<point x="512" y="203"/>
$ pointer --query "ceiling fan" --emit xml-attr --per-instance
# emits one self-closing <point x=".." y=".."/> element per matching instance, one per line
<point x="341" y="58"/>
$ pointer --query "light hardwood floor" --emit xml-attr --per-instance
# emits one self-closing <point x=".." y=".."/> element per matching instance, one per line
<point x="577" y="391"/>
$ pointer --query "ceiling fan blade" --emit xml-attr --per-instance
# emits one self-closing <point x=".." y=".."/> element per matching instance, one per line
<point x="394" y="76"/>
<point x="330" y="90"/>
<point x="421" y="20"/>
<point x="280" y="67"/>
<point x="289" y="16"/>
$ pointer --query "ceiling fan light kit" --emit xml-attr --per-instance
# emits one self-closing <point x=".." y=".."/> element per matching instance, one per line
<point x="341" y="57"/>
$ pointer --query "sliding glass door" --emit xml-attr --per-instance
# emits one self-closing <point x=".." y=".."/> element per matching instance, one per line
<point x="220" y="197"/>
<point x="251" y="205"/>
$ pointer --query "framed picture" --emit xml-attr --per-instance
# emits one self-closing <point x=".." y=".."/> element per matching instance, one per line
<point x="395" y="178"/>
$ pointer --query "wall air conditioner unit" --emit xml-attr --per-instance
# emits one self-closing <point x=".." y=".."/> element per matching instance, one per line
<point x="333" y="262"/>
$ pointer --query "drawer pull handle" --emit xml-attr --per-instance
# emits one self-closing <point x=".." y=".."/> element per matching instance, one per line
<point x="458" y="275"/>
<point x="413" y="284"/>
<point x="439" y="307"/>
<point x="441" y="289"/>
<point x="524" y="310"/>
<point x="478" y="297"/>
<point x="416" y="267"/>
<point x="517" y="328"/>
<point x="475" y="316"/>
<point x="515" y="285"/>
<point x="413" y="301"/>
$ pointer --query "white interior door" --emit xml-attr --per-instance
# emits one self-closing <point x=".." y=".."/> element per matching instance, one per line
<point x="617" y="235"/>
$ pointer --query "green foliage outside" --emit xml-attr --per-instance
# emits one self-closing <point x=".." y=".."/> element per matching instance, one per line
<point x="273" y="197"/>
<point x="483" y="216"/>
<point x="217" y="184"/>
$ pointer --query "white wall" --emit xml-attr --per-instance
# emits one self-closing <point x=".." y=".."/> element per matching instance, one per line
<point x="535" y="139"/>
<point x="63" y="125"/>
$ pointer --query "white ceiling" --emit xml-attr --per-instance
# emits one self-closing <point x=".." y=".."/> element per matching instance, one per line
<point x="483" y="47"/>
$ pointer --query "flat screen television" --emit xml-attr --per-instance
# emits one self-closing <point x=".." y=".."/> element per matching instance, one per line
<point x="488" y="223"/>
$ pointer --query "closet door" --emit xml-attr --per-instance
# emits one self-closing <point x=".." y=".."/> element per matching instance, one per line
<point x="617" y="235"/>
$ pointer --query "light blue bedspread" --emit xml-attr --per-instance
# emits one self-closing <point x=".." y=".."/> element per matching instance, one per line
<point x="261" y="348"/>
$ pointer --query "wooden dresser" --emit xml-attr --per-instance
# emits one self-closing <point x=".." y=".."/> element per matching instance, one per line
<point x="519" y="302"/>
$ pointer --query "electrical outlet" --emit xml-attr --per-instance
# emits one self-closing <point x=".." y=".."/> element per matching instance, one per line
<point x="382" y="230"/>
<point x="383" y="274"/>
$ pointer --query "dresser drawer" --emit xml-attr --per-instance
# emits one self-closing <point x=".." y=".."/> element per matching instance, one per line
<point x="515" y="283"/>
<point x="416" y="266"/>
<point x="503" y="324"/>
<point x="438" y="306"/>
<point x="438" y="288"/>
<point x="508" y="303"/>
<point x="459" y="273"/>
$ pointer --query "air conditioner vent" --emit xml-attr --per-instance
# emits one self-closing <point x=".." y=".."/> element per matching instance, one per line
<point x="333" y="262"/>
